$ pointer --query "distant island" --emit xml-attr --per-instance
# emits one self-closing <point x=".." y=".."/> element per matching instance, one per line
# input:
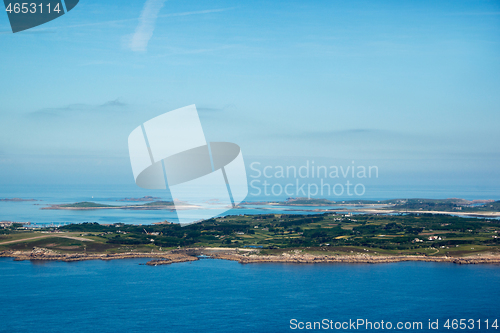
<point x="435" y="204"/>
<point x="327" y="237"/>
<point x="477" y="208"/>
<point x="17" y="199"/>
<point x="86" y="205"/>
<point x="146" y="198"/>
<point x="461" y="207"/>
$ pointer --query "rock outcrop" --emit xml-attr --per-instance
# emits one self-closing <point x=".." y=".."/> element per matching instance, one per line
<point x="183" y="255"/>
<point x="361" y="259"/>
<point x="49" y="255"/>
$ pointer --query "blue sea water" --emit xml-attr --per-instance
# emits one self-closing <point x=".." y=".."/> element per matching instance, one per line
<point x="30" y="211"/>
<point x="225" y="296"/>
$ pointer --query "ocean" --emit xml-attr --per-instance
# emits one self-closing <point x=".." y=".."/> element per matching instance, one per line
<point x="29" y="211"/>
<point x="224" y="296"/>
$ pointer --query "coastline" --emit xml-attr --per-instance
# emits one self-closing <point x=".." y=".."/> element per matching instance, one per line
<point x="48" y="255"/>
<point x="356" y="259"/>
<point x="186" y="255"/>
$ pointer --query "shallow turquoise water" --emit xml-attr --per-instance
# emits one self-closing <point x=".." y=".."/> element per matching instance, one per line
<point x="30" y="211"/>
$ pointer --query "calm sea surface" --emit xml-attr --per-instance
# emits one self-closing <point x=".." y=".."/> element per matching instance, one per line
<point x="224" y="296"/>
<point x="29" y="211"/>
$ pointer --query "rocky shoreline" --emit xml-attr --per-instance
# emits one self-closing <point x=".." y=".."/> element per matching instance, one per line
<point x="48" y="255"/>
<point x="185" y="255"/>
<point x="352" y="259"/>
<point x="171" y="260"/>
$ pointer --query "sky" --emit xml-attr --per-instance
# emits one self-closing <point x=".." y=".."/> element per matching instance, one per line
<point x="410" y="86"/>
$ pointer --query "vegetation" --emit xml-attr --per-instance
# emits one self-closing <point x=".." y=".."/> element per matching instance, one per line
<point x="374" y="234"/>
<point x="95" y="205"/>
<point x="85" y="204"/>
<point x="447" y="205"/>
<point x="403" y="205"/>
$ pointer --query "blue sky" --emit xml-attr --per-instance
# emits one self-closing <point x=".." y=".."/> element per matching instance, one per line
<point x="410" y="86"/>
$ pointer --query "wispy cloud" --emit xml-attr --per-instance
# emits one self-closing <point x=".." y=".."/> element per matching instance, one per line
<point x="225" y="110"/>
<point x="353" y="136"/>
<point x="206" y="11"/>
<point x="144" y="31"/>
<point x="351" y="133"/>
<point x="76" y="108"/>
<point x="208" y="109"/>
<point x="115" y="102"/>
<point x="476" y="13"/>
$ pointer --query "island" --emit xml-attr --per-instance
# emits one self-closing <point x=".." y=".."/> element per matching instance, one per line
<point x="456" y="206"/>
<point x="155" y="205"/>
<point x="290" y="238"/>
<point x="17" y="199"/>
<point x="146" y="198"/>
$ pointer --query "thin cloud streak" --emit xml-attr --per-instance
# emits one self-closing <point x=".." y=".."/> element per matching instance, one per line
<point x="147" y="20"/>
<point x="351" y="133"/>
<point x="476" y="13"/>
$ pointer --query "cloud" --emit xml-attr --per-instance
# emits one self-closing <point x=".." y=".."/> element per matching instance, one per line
<point x="226" y="108"/>
<point x="116" y="102"/>
<point x="476" y="13"/>
<point x="206" y="11"/>
<point x="355" y="133"/>
<point x="225" y="112"/>
<point x="144" y="31"/>
<point x="76" y="108"/>
<point x="203" y="109"/>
